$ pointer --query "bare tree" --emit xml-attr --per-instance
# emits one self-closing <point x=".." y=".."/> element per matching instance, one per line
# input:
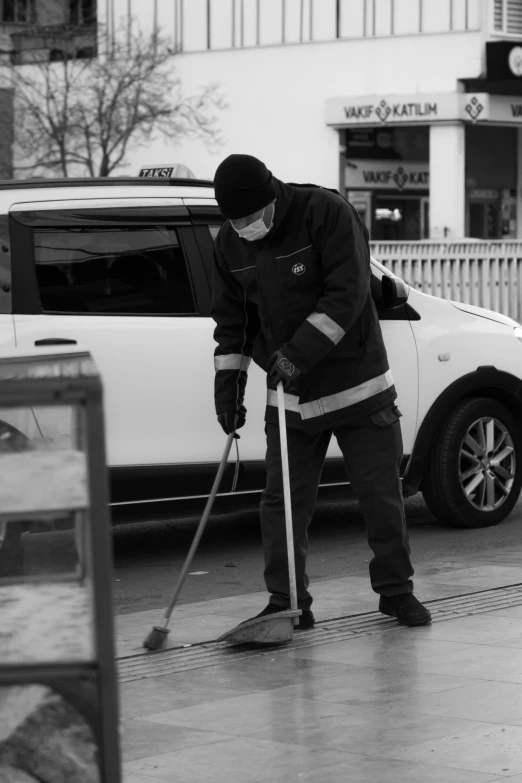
<point x="85" y="115"/>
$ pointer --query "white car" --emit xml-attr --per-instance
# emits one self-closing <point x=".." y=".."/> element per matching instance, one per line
<point x="121" y="267"/>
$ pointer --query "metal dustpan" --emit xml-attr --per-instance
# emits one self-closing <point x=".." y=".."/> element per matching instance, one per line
<point x="277" y="628"/>
<point x="270" y="629"/>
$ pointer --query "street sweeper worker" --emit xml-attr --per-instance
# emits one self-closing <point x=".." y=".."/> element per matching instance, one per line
<point x="291" y="291"/>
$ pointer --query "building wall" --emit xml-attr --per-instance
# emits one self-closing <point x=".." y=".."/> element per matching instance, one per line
<point x="276" y="96"/>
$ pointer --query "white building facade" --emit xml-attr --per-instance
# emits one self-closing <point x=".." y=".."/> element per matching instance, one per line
<point x="411" y="108"/>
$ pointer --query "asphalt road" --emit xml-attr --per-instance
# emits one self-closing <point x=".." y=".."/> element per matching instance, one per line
<point x="148" y="555"/>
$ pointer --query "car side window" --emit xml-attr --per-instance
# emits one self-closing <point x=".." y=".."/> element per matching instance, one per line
<point x="114" y="270"/>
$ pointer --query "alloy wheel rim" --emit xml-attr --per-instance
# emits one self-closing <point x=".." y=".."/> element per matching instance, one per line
<point x="487" y="464"/>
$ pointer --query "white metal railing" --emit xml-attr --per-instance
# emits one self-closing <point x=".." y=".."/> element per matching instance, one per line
<point x="486" y="274"/>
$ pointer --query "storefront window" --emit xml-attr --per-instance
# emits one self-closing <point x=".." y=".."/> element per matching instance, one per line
<point x="387" y="180"/>
<point x="491" y="182"/>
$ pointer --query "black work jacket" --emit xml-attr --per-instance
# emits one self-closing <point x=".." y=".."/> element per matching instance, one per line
<point x="304" y="289"/>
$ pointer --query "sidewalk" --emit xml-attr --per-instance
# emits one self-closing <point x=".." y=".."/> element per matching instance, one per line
<point x="440" y="704"/>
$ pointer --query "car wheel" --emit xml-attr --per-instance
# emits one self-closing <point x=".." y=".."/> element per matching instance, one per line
<point x="474" y="471"/>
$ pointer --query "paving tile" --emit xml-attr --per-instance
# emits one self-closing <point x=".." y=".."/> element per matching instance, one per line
<point x="367" y="731"/>
<point x="508" y="611"/>
<point x="482" y="576"/>
<point x="184" y="630"/>
<point x="382" y="649"/>
<point x="141" y="739"/>
<point x="478" y="661"/>
<point x="491" y="702"/>
<point x="362" y="769"/>
<point x="157" y="694"/>
<point x="240" y="760"/>
<point x="374" y="686"/>
<point x="475" y="629"/>
<point x="245" y="715"/>
<point x="262" y="673"/>
<point x="493" y="749"/>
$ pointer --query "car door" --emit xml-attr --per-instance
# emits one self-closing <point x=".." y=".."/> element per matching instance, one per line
<point x="119" y="279"/>
<point x="402" y="357"/>
<point x="11" y="420"/>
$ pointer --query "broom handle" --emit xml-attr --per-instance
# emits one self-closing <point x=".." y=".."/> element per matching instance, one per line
<point x="287" y="495"/>
<point x="201" y="527"/>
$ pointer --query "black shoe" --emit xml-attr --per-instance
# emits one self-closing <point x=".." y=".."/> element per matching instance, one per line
<point x="406" y="608"/>
<point x="306" y="619"/>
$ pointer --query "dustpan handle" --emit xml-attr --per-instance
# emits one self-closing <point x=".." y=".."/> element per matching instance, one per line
<point x="201" y="526"/>
<point x="287" y="495"/>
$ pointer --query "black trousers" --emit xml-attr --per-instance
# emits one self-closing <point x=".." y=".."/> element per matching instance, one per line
<point x="372" y="455"/>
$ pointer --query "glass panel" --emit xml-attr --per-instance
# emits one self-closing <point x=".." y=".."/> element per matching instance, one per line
<point x="459" y="19"/>
<point x="435" y="16"/>
<point x="407" y="16"/>
<point x="49" y="428"/>
<point x="383" y="17"/>
<point x="249" y="22"/>
<point x="116" y="270"/>
<point x="43" y="485"/>
<point x="324" y="20"/>
<point x="42" y="549"/>
<point x="9" y="11"/>
<point x="44" y="737"/>
<point x="271" y="22"/>
<point x="293" y="18"/>
<point x="352" y="20"/>
<point x="221" y="24"/>
<point x="475" y="14"/>
<point x="396" y="218"/>
<point x="195" y="26"/>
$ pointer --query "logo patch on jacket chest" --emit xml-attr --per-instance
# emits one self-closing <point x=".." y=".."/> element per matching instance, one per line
<point x="298" y="269"/>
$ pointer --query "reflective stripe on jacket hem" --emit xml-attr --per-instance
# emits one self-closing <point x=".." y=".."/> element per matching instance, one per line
<point x="327" y="326"/>
<point x="334" y="402"/>
<point x="232" y="361"/>
<point x="291" y="401"/>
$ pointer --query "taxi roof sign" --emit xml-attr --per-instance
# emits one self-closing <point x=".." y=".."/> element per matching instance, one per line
<point x="166" y="172"/>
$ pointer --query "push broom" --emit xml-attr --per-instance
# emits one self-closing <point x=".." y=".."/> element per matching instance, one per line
<point x="157" y="638"/>
<point x="277" y="628"/>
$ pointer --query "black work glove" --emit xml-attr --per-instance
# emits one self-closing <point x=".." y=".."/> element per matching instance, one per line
<point x="281" y="369"/>
<point x="232" y="420"/>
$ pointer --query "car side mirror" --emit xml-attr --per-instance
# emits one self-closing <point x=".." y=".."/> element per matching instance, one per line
<point x="395" y="292"/>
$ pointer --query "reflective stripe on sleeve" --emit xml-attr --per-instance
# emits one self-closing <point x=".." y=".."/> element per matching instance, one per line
<point x="232" y="361"/>
<point x="291" y="401"/>
<point x="327" y="326"/>
<point x="335" y="402"/>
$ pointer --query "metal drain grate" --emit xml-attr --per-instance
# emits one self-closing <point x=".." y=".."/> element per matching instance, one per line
<point x="177" y="660"/>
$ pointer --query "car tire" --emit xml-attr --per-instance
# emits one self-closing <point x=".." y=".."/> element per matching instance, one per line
<point x="461" y="487"/>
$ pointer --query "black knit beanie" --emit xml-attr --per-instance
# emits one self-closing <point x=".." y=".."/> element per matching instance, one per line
<point x="243" y="185"/>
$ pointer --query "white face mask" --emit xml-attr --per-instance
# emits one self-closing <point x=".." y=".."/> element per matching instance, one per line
<point x="256" y="230"/>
